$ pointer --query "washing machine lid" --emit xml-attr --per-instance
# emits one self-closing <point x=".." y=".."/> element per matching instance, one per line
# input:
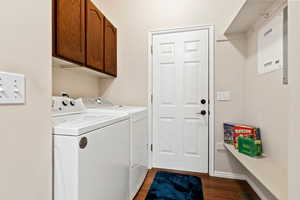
<point x="82" y="123"/>
<point x="124" y="109"/>
<point x="131" y="109"/>
<point x="135" y="113"/>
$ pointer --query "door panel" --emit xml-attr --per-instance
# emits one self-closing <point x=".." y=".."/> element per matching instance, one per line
<point x="192" y="50"/>
<point x="191" y="136"/>
<point x="168" y="79"/>
<point x="167" y="144"/>
<point x="95" y="37"/>
<point x="70" y="37"/>
<point x="110" y="57"/>
<point x="167" y="53"/>
<point x="191" y="82"/>
<point x="180" y="82"/>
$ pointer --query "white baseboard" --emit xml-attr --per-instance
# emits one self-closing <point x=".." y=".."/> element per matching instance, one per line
<point x="255" y="187"/>
<point x="252" y="184"/>
<point x="229" y="175"/>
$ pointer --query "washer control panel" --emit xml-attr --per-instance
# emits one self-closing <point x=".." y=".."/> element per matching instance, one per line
<point x="66" y="105"/>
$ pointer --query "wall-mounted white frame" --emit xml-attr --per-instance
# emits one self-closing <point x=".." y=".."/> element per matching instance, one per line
<point x="270" y="45"/>
<point x="211" y="30"/>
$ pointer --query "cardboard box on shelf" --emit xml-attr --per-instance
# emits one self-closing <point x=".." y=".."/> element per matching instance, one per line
<point x="233" y="130"/>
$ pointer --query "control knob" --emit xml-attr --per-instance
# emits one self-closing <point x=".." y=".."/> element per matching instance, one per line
<point x="65" y="102"/>
<point x="72" y="103"/>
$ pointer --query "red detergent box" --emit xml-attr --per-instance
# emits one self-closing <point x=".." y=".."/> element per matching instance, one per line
<point x="233" y="130"/>
<point x="246" y="131"/>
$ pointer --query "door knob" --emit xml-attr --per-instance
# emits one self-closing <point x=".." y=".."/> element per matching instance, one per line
<point x="203" y="101"/>
<point x="203" y="112"/>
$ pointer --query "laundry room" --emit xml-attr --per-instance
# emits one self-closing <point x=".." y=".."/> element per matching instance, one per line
<point x="150" y="100"/>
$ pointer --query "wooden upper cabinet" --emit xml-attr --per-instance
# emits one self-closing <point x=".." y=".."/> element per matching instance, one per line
<point x="110" y="48"/>
<point x="82" y="35"/>
<point x="70" y="30"/>
<point x="94" y="37"/>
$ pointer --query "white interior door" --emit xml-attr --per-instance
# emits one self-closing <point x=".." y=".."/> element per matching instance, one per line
<point x="180" y="103"/>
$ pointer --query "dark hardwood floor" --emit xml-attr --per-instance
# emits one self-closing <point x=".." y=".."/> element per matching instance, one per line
<point x="214" y="188"/>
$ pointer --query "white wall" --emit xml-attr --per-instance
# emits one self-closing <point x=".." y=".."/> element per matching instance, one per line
<point x="75" y="83"/>
<point x="265" y="105"/>
<point x="25" y="150"/>
<point x="135" y="18"/>
<point x="266" y="102"/>
<point x="294" y="72"/>
<point x="230" y="62"/>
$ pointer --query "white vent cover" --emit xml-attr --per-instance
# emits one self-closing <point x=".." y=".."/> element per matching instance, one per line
<point x="270" y="46"/>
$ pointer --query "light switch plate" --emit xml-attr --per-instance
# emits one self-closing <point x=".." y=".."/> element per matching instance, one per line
<point x="12" y="88"/>
<point x="223" y="96"/>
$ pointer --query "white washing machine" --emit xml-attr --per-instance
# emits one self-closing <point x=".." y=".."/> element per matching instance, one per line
<point x="138" y="138"/>
<point x="91" y="152"/>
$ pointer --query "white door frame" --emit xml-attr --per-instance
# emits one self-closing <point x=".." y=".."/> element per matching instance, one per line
<point x="211" y="31"/>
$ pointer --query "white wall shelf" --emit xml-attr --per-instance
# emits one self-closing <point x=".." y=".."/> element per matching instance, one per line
<point x="57" y="62"/>
<point x="272" y="176"/>
<point x="248" y="15"/>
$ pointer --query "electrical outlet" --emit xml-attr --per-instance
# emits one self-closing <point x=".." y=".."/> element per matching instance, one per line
<point x="220" y="146"/>
<point x="12" y="88"/>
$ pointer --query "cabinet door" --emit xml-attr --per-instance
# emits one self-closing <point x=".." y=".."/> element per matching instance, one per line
<point x="70" y="29"/>
<point x="110" y="52"/>
<point x="95" y="37"/>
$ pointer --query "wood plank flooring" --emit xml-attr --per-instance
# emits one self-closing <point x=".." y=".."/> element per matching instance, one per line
<point x="214" y="188"/>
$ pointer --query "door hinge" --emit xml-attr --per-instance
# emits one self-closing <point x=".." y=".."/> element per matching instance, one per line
<point x="151" y="98"/>
<point x="151" y="49"/>
<point x="151" y="147"/>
